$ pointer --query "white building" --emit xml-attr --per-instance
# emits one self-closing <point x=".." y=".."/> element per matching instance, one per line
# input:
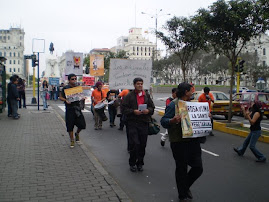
<point x="136" y="45"/>
<point x="12" y="48"/>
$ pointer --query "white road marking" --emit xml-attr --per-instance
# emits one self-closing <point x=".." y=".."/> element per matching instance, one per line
<point x="63" y="108"/>
<point x="163" y="108"/>
<point x="209" y="152"/>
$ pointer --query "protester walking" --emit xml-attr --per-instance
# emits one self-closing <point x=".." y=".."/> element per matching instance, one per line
<point x="122" y="95"/>
<point x="254" y="116"/>
<point x="9" y="109"/>
<point x="98" y="96"/>
<point x="111" y="97"/>
<point x="207" y="97"/>
<point x="138" y="108"/>
<point x="186" y="151"/>
<point x="50" y="90"/>
<point x="13" y="96"/>
<point x="45" y="94"/>
<point x="73" y="114"/>
<point x="21" y="90"/>
<point x="164" y="136"/>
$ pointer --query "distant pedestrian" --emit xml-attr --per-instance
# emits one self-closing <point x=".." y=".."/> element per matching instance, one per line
<point x="50" y="89"/>
<point x="9" y="109"/>
<point x="45" y="94"/>
<point x="122" y="95"/>
<point x="254" y="117"/>
<point x="21" y="90"/>
<point x="168" y="100"/>
<point x="13" y="95"/>
<point x="138" y="108"/>
<point x="207" y="97"/>
<point x="73" y="114"/>
<point x="98" y="96"/>
<point x="111" y="97"/>
<point x="186" y="151"/>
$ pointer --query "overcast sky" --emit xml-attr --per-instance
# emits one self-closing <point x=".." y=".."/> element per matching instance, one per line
<point x="81" y="25"/>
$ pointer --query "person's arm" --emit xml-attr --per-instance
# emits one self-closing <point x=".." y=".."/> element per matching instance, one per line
<point x="104" y="96"/>
<point x="62" y="97"/>
<point x="254" y="119"/>
<point x="211" y="97"/>
<point x="169" y="116"/>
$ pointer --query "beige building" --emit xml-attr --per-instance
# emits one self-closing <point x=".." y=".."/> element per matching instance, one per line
<point x="12" y="48"/>
<point x="137" y="47"/>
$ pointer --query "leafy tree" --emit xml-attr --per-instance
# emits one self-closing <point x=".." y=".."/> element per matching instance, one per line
<point x="183" y="39"/>
<point x="228" y="26"/>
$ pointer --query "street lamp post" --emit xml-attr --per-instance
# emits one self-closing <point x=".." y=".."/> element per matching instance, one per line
<point x="157" y="14"/>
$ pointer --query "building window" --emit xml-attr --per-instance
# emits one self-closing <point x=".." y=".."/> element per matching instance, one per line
<point x="145" y="54"/>
<point x="18" y="69"/>
<point x="18" y="61"/>
<point x="0" y="37"/>
<point x="263" y="63"/>
<point x="20" y="37"/>
<point x="18" y="54"/>
<point x="145" y="49"/>
<point x="133" y="48"/>
<point x="149" y="49"/>
<point x="149" y="54"/>
<point x="5" y="62"/>
<point x="8" y="38"/>
<point x="137" y="49"/>
<point x="5" y="54"/>
<point x="14" y="69"/>
<point x="10" y="69"/>
<point x="4" y="37"/>
<point x="141" y="48"/>
<point x="14" y="54"/>
<point x="0" y="53"/>
<point x="10" y="54"/>
<point x="14" y="61"/>
<point x="137" y="53"/>
<point x="10" y="62"/>
<point x="20" y="43"/>
<point x="264" y="51"/>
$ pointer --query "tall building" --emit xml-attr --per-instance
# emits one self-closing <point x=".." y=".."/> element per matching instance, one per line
<point x="137" y="46"/>
<point x="12" y="48"/>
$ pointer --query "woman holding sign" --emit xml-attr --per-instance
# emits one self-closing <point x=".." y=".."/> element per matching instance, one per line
<point x="186" y="151"/>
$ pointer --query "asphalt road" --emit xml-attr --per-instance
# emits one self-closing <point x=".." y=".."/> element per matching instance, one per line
<point x="226" y="177"/>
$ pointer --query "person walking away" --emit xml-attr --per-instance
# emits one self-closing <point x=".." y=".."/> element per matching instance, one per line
<point x="186" y="151"/>
<point x="21" y="90"/>
<point x="254" y="117"/>
<point x="50" y="91"/>
<point x="112" y="96"/>
<point x="207" y="97"/>
<point x="73" y="114"/>
<point x="98" y="96"/>
<point x="122" y="95"/>
<point x="44" y="91"/>
<point x="9" y="109"/>
<point x="164" y="136"/>
<point x="138" y="108"/>
<point x="14" y="97"/>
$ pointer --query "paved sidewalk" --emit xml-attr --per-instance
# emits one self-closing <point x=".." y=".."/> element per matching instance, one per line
<point x="38" y="165"/>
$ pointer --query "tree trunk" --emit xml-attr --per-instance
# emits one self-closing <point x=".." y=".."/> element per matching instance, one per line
<point x="231" y="94"/>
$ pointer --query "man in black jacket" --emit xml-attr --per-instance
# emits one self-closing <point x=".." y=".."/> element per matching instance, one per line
<point x="138" y="108"/>
<point x="13" y="97"/>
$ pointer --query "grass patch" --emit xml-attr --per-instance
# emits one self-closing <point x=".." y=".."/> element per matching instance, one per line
<point x="264" y="132"/>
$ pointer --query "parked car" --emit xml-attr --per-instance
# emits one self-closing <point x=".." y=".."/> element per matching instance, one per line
<point x="243" y="89"/>
<point x="263" y="98"/>
<point x="221" y="103"/>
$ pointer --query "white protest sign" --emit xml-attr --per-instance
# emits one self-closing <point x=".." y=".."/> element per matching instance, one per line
<point x="122" y="73"/>
<point x="199" y="117"/>
<point x="74" y="63"/>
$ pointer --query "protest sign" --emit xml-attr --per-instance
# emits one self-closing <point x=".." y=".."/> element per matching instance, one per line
<point x="88" y="80"/>
<point x="97" y="65"/>
<point x="74" y="63"/>
<point x="122" y="73"/>
<point x="74" y="94"/>
<point x="195" y="120"/>
<point x="55" y="81"/>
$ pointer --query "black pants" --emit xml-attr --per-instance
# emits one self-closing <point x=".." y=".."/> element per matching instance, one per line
<point x="187" y="153"/>
<point x="22" y="98"/>
<point x="138" y="135"/>
<point x="9" y="109"/>
<point x="112" y="113"/>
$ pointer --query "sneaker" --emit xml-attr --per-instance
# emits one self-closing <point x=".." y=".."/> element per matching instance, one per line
<point x="189" y="194"/>
<point x="72" y="144"/>
<point x="111" y="125"/>
<point x="140" y="168"/>
<point x="120" y="128"/>
<point x="162" y="143"/>
<point x="237" y="151"/>
<point x="261" y="160"/>
<point x="10" y="115"/>
<point x="77" y="137"/>
<point x="133" y="168"/>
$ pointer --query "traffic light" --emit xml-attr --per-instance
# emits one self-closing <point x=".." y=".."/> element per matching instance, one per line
<point x="236" y="68"/>
<point x="87" y="70"/>
<point x="34" y="61"/>
<point x="241" y="65"/>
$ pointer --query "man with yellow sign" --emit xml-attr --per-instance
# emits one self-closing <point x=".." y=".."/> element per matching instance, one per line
<point x="71" y="95"/>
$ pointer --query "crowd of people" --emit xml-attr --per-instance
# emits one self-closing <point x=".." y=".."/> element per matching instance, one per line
<point x="135" y="108"/>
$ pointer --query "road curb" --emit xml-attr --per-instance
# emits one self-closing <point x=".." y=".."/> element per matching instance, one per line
<point x="223" y="128"/>
<point x="122" y="196"/>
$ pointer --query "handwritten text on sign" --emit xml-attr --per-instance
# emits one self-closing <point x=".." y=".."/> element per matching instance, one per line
<point x="122" y="73"/>
<point x="200" y="120"/>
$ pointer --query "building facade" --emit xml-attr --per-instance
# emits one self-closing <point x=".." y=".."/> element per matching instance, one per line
<point x="12" y="48"/>
<point x="137" y="47"/>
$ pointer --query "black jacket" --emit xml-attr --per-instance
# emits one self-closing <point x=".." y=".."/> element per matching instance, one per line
<point x="130" y="104"/>
<point x="12" y="91"/>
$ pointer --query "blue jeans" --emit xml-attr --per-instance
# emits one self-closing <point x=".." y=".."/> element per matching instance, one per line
<point x="43" y="96"/>
<point x="251" y="140"/>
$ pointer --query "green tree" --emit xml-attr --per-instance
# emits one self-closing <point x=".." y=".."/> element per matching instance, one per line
<point x="228" y="26"/>
<point x="183" y="39"/>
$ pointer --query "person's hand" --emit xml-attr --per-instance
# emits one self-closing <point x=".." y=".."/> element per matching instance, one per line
<point x="175" y="119"/>
<point x="145" y="111"/>
<point x="210" y="115"/>
<point x="18" y="98"/>
<point x="67" y="102"/>
<point x="137" y="112"/>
